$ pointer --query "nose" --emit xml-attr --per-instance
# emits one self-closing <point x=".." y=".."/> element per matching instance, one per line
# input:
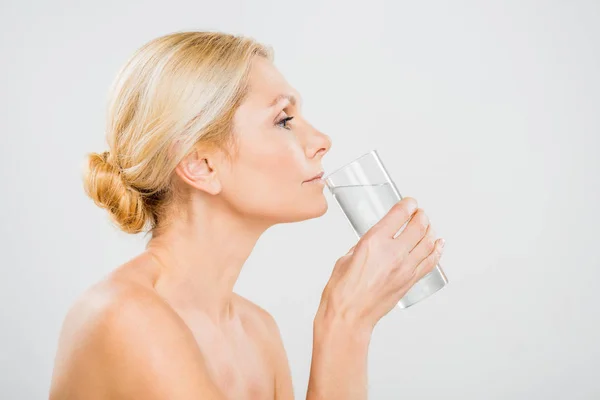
<point x="318" y="144"/>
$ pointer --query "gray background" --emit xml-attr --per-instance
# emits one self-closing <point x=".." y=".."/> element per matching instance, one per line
<point x="485" y="112"/>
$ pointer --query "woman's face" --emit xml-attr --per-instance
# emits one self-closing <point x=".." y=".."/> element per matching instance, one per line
<point x="278" y="151"/>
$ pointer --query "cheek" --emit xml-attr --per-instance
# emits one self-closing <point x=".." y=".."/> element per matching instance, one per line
<point x="284" y="168"/>
<point x="266" y="178"/>
<point x="275" y="165"/>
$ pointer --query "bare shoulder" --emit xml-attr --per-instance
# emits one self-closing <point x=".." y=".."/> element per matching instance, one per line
<point x="269" y="333"/>
<point x="121" y="340"/>
<point x="258" y="316"/>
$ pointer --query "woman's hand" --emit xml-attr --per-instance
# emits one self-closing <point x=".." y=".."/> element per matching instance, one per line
<point x="365" y="285"/>
<point x="377" y="272"/>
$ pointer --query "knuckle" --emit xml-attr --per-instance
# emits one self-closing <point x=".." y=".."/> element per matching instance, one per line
<point x="410" y="203"/>
<point x="402" y="209"/>
<point x="402" y="276"/>
<point x="363" y="244"/>
<point x="368" y="243"/>
<point x="397" y="262"/>
<point x="407" y="206"/>
<point x="398" y="208"/>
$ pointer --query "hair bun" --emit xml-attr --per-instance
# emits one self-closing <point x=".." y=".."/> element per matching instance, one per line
<point x="103" y="183"/>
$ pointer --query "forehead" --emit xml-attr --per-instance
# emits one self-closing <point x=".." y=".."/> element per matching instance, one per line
<point x="266" y="83"/>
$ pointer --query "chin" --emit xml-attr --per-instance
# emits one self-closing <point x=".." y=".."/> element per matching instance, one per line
<point x="317" y="210"/>
<point x="324" y="208"/>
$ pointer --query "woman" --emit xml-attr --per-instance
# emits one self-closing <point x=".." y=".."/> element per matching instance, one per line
<point x="208" y="149"/>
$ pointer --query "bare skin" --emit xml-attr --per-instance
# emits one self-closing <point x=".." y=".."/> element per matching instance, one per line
<point x="167" y="324"/>
<point x="124" y="340"/>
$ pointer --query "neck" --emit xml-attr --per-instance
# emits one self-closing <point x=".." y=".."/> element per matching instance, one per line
<point x="200" y="257"/>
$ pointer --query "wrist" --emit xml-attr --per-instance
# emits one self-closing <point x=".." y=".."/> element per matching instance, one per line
<point x="331" y="325"/>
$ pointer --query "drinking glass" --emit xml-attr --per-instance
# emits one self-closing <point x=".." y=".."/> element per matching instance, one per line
<point x="365" y="192"/>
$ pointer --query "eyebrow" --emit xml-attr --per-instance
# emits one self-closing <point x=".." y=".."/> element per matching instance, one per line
<point x="291" y="98"/>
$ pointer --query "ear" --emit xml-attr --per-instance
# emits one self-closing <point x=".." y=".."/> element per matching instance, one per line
<point x="198" y="170"/>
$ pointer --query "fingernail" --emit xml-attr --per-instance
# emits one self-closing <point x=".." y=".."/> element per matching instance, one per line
<point x="442" y="243"/>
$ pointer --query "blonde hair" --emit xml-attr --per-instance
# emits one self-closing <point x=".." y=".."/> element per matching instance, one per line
<point x="175" y="91"/>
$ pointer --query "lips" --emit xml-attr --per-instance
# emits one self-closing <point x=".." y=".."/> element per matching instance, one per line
<point x="314" y="178"/>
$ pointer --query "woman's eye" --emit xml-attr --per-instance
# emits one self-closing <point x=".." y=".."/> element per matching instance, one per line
<point x="283" y="123"/>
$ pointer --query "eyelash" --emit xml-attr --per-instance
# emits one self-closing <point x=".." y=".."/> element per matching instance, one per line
<point x="284" y="121"/>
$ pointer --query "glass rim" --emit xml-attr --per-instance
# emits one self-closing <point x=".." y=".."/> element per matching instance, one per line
<point x="372" y="152"/>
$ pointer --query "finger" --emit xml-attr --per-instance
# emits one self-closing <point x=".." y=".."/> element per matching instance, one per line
<point x="429" y="263"/>
<point x="415" y="230"/>
<point x="395" y="218"/>
<point x="423" y="248"/>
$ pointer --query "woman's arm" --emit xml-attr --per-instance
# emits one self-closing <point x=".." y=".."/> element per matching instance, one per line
<point x="339" y="360"/>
